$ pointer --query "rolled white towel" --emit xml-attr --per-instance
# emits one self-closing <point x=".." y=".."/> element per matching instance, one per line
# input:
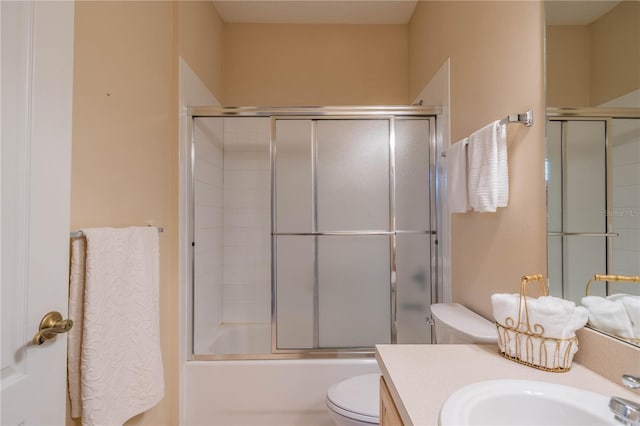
<point x="557" y="319"/>
<point x="578" y="320"/>
<point x="506" y="306"/>
<point x="632" y="306"/>
<point x="560" y="318"/>
<point x="608" y="315"/>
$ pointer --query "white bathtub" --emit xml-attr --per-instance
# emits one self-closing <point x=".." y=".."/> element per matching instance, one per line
<point x="261" y="392"/>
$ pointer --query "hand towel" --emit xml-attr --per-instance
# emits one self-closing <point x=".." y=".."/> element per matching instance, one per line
<point x="121" y="364"/>
<point x="549" y="317"/>
<point x="560" y="318"/>
<point x="505" y="306"/>
<point x="631" y="304"/>
<point x="457" y="177"/>
<point x="488" y="174"/>
<point x="74" y="336"/>
<point x="608" y="315"/>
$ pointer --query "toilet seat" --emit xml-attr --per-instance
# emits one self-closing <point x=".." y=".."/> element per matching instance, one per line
<point x="357" y="398"/>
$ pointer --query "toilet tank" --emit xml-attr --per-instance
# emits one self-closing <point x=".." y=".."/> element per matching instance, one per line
<point x="456" y="324"/>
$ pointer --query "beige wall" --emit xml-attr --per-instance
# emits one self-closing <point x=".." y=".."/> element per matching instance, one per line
<point x="124" y="154"/>
<point x="615" y="53"/>
<point x="588" y="65"/>
<point x="496" y="51"/>
<point x="200" y="31"/>
<point x="275" y="65"/>
<point x="568" y="65"/>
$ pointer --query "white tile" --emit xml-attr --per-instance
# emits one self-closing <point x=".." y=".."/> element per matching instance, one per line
<point x="238" y="274"/>
<point x="247" y="218"/>
<point x="209" y="129"/>
<point x="239" y="294"/>
<point x="205" y="264"/>
<point x="251" y="237"/>
<point x="247" y="199"/>
<point x="628" y="240"/>
<point x="626" y="154"/>
<point x="248" y="256"/>
<point x="247" y="161"/>
<point x="207" y="172"/>
<point x="245" y="312"/>
<point x="207" y="194"/>
<point x="626" y="219"/>
<point x="208" y="217"/>
<point x="208" y="238"/>
<point x="247" y="179"/>
<point x="626" y="262"/>
<point x="628" y="174"/>
<point x="626" y="196"/>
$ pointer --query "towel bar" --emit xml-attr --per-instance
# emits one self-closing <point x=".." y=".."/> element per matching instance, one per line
<point x="525" y="118"/>
<point x="79" y="234"/>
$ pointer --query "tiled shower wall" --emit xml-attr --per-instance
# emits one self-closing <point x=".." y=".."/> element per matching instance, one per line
<point x="247" y="221"/>
<point x="208" y="230"/>
<point x="232" y="216"/>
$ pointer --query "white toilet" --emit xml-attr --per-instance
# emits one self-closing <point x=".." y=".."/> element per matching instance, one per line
<point x="355" y="401"/>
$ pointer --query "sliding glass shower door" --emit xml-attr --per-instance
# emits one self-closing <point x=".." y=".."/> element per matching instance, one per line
<point x="593" y="176"/>
<point x="351" y="232"/>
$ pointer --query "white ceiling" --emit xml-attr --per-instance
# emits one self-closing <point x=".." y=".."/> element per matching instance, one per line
<point x="557" y="12"/>
<point x="576" y="12"/>
<point x="316" y="11"/>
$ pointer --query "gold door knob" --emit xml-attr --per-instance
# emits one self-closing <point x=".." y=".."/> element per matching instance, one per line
<point x="51" y="325"/>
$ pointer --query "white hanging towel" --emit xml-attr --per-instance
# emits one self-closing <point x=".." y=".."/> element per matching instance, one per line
<point x="488" y="172"/>
<point x="120" y="361"/>
<point x="74" y="336"/>
<point x="457" y="194"/>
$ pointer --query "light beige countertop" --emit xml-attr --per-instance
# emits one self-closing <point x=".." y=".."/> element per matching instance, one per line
<point x="422" y="377"/>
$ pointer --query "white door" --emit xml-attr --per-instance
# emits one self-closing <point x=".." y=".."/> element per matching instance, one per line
<point x="35" y="118"/>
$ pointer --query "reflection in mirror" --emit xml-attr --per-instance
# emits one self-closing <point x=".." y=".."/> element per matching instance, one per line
<point x="593" y="158"/>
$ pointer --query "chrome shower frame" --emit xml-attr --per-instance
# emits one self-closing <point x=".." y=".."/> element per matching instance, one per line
<point x="391" y="113"/>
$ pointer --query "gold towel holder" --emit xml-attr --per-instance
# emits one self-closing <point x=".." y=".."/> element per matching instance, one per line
<point x="519" y="340"/>
<point x="612" y="278"/>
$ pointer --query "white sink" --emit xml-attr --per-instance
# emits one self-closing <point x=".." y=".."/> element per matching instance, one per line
<point x="522" y="402"/>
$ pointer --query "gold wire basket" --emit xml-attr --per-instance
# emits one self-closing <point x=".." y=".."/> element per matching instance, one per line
<point x="526" y="344"/>
<point x="619" y="279"/>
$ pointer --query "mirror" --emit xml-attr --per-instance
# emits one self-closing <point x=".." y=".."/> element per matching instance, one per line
<point x="593" y="159"/>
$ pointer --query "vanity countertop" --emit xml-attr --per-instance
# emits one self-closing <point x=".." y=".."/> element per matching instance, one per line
<point x="421" y="377"/>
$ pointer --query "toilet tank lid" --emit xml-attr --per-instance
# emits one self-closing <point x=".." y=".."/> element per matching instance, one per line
<point x="460" y="318"/>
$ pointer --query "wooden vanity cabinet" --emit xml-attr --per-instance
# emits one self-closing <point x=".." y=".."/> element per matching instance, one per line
<point x="389" y="415"/>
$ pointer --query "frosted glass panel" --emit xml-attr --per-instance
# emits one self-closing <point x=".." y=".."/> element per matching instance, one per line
<point x="414" y="287"/>
<point x="553" y="176"/>
<point x="293" y="176"/>
<point x="353" y="175"/>
<point x="294" y="291"/>
<point x="208" y="231"/>
<point x="583" y="257"/>
<point x="584" y="205"/>
<point x="412" y="174"/>
<point x="554" y="265"/>
<point x="625" y="211"/>
<point x="585" y="177"/>
<point x="354" y="291"/>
